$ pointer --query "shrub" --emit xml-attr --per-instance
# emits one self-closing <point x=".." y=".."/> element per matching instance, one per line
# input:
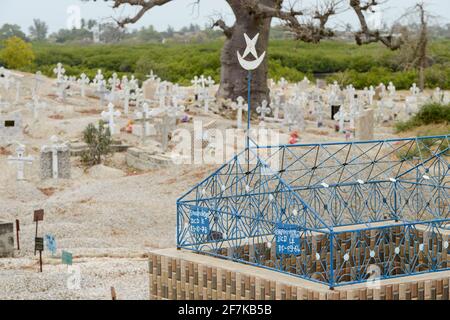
<point x="17" y="54"/>
<point x="432" y="113"/>
<point x="99" y="143"/>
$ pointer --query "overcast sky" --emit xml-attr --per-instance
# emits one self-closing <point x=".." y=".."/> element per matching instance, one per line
<point x="178" y="13"/>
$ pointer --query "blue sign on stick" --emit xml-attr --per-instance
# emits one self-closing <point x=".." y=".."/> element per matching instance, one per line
<point x="287" y="239"/>
<point x="199" y="221"/>
<point x="66" y="258"/>
<point x="50" y="242"/>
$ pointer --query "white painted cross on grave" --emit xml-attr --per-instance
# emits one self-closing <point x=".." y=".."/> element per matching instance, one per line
<point x="55" y="147"/>
<point x="341" y="116"/>
<point x="38" y="79"/>
<point x="20" y="160"/>
<point x="391" y="89"/>
<point x="144" y="116"/>
<point x="36" y="105"/>
<point x="59" y="71"/>
<point x="263" y="110"/>
<point x="414" y="90"/>
<point x="83" y="82"/>
<point x="109" y="116"/>
<point x="114" y="83"/>
<point x="239" y="107"/>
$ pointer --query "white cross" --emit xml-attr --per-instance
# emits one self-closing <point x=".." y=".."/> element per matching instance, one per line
<point x="263" y="110"/>
<point x="341" y="116"/>
<point x="35" y="105"/>
<point x="196" y="82"/>
<point x="414" y="89"/>
<point x="109" y="116"/>
<point x="161" y="93"/>
<point x="114" y="82"/>
<point x="20" y="160"/>
<point x="239" y="107"/>
<point x="38" y="79"/>
<point x="391" y="89"/>
<point x="83" y="81"/>
<point x="102" y="91"/>
<point x="144" y="116"/>
<point x="98" y="78"/>
<point x="371" y="94"/>
<point x="59" y="71"/>
<point x="151" y="76"/>
<point x="55" y="147"/>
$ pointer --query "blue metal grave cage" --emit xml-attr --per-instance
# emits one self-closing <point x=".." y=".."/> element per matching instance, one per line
<point x="334" y="213"/>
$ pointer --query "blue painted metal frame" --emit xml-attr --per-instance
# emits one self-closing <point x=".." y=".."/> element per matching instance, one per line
<point x="380" y="204"/>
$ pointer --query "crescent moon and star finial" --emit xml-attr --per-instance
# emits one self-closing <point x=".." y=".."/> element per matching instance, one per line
<point x="250" y="49"/>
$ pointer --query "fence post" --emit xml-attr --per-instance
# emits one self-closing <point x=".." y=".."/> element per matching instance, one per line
<point x="331" y="280"/>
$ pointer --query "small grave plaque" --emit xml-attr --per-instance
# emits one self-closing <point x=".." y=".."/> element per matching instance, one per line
<point x="199" y="221"/>
<point x="287" y="239"/>
<point x="9" y="123"/>
<point x="38" y="215"/>
<point x="50" y="242"/>
<point x="39" y="244"/>
<point x="66" y="258"/>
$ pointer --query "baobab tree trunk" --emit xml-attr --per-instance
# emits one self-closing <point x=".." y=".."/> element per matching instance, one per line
<point x="233" y="78"/>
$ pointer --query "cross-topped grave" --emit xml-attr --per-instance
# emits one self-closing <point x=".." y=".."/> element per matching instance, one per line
<point x="239" y="107"/>
<point x="38" y="80"/>
<point x="196" y="82"/>
<point x="341" y="116"/>
<point x="144" y="117"/>
<point x="263" y="110"/>
<point x="83" y="82"/>
<point x="20" y="160"/>
<point x="109" y="116"/>
<point x="60" y="159"/>
<point x="114" y="83"/>
<point x="391" y="89"/>
<point x="414" y="90"/>
<point x="59" y="71"/>
<point x="36" y="105"/>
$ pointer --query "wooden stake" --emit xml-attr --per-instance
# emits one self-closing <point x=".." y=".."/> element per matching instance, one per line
<point x="113" y="294"/>
<point x="17" y="233"/>
<point x="40" y="260"/>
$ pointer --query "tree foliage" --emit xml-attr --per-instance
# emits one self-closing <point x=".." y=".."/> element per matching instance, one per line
<point x="17" y="54"/>
<point x="38" y="31"/>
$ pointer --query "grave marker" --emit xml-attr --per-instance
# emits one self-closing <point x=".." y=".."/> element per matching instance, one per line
<point x="109" y="116"/>
<point x="20" y="160"/>
<point x="66" y="258"/>
<point x="39" y="246"/>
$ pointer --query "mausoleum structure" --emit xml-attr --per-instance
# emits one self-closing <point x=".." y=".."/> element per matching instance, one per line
<point x="333" y="213"/>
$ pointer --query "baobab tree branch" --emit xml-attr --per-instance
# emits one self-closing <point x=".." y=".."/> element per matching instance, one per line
<point x="228" y="31"/>
<point x="365" y="35"/>
<point x="145" y="5"/>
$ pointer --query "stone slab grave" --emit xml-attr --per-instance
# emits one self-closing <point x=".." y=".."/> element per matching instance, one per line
<point x="10" y="127"/>
<point x="146" y="158"/>
<point x="55" y="160"/>
<point x="78" y="147"/>
<point x="365" y="124"/>
<point x="6" y="239"/>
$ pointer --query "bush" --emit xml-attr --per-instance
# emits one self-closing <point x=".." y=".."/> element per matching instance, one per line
<point x="433" y="113"/>
<point x="17" y="54"/>
<point x="99" y="143"/>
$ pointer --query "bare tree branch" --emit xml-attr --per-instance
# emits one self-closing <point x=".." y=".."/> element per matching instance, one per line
<point x="220" y="23"/>
<point x="365" y="35"/>
<point x="145" y="5"/>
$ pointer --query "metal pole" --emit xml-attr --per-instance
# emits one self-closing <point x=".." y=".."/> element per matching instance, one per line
<point x="249" y="95"/>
